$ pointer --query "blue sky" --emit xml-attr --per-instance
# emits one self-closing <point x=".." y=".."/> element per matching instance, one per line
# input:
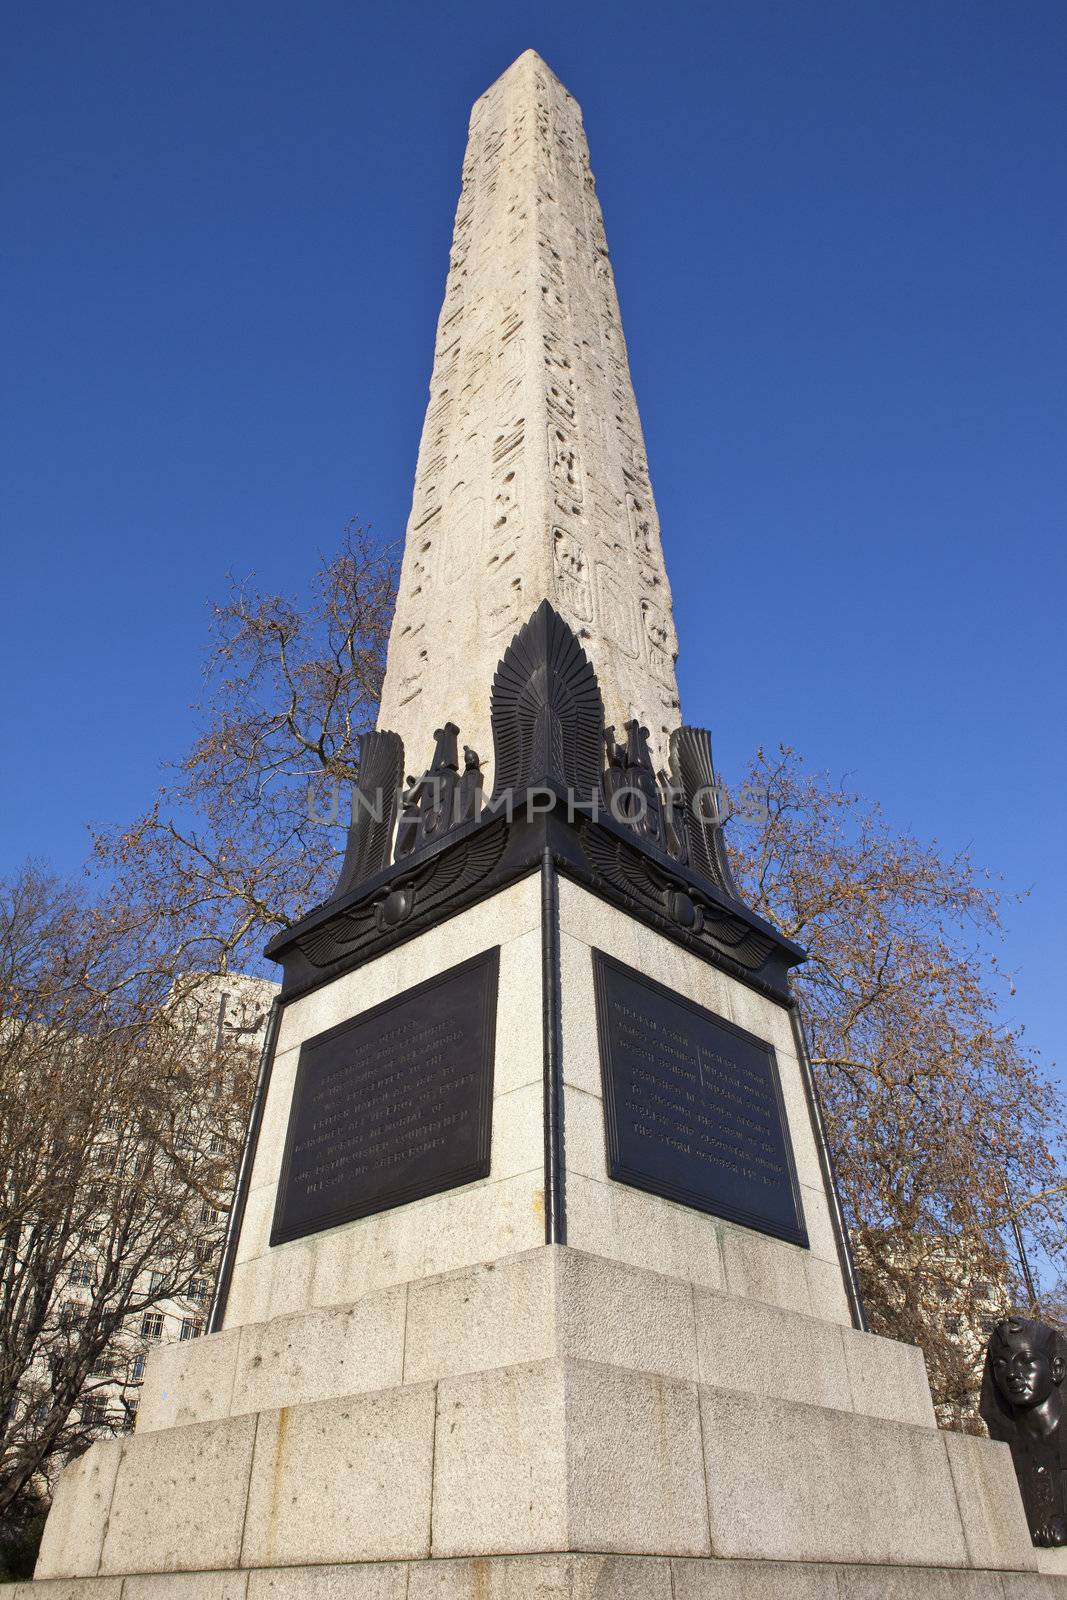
<point x="839" y="237"/>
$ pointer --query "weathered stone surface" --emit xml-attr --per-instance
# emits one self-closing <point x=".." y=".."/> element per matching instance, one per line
<point x="271" y="1143"/>
<point x="187" y="1586"/>
<point x="888" y="1379"/>
<point x="494" y="1315"/>
<point x="188" y="1382"/>
<point x="561" y="1577"/>
<point x="532" y="481"/>
<point x="519" y="1038"/>
<point x="547" y="1302"/>
<point x="1034" y="1586"/>
<point x="914" y="1583"/>
<point x="826" y="1291"/>
<point x="373" y="1253"/>
<point x="746" y="1580"/>
<point x="765" y="1269"/>
<point x="796" y="1482"/>
<point x="990" y="1505"/>
<point x="542" y="1577"/>
<point x="74" y="1532"/>
<point x="633" y="1441"/>
<point x="567" y="1455"/>
<point x="342" y="1481"/>
<point x="518" y="1132"/>
<point x="249" y="1296"/>
<point x="65" y="1589"/>
<point x="585" y="1150"/>
<point x="500" y="1462"/>
<point x="378" y="1580"/>
<point x="664" y="1236"/>
<point x="179" y="1499"/>
<point x="763" y="1350"/>
<point x="624" y="1316"/>
<point x="319" y="1354"/>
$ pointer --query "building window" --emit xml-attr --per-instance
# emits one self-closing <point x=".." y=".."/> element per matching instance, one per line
<point x="82" y="1274"/>
<point x="152" y="1325"/>
<point x="198" y="1290"/>
<point x="70" y="1314"/>
<point x="205" y="1250"/>
<point x="137" y="1370"/>
<point x="209" y="1214"/>
<point x="155" y="1282"/>
<point x="191" y="1328"/>
<point x="94" y="1410"/>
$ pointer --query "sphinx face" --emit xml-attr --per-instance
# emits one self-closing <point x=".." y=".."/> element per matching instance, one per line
<point x="1023" y="1374"/>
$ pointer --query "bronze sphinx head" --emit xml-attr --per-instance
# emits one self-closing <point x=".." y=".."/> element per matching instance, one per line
<point x="1022" y="1404"/>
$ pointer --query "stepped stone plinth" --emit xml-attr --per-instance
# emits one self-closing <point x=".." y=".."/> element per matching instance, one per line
<point x="536" y="1283"/>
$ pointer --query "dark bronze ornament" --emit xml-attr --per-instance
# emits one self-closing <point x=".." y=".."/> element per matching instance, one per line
<point x="643" y="882"/>
<point x="374" y="803"/>
<point x="630" y="785"/>
<point x="657" y="853"/>
<point x="546" y="713"/>
<point x="442" y="799"/>
<point x="693" y="778"/>
<point x="675" y="840"/>
<point x="395" y="908"/>
<point x="1023" y="1405"/>
<point x="417" y="897"/>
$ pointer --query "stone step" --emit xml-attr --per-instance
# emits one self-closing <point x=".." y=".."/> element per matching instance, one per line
<point x="548" y="1302"/>
<point x="562" y="1455"/>
<point x="559" y="1577"/>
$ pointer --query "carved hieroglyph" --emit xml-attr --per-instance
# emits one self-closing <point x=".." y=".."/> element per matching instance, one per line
<point x="531" y="482"/>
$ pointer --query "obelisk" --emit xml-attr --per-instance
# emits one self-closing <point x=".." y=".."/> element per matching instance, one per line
<point x="532" y="480"/>
<point x="536" y="1281"/>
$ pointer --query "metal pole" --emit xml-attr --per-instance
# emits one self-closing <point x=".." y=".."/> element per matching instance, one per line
<point x="555" y="1213"/>
<point x="244" y="1174"/>
<point x="1021" y="1247"/>
<point x="829" y="1174"/>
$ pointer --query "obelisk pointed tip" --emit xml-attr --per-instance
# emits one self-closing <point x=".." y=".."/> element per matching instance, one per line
<point x="524" y="62"/>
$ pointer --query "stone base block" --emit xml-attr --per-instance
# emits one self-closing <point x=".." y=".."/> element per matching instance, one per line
<point x="566" y="1455"/>
<point x="560" y="1577"/>
<point x="542" y="1303"/>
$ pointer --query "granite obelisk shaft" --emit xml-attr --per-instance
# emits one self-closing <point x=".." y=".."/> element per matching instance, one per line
<point x="532" y="481"/>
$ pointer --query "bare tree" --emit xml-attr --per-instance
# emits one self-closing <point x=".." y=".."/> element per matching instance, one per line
<point x="121" y="1113"/>
<point x="232" y="848"/>
<point x="943" y="1125"/>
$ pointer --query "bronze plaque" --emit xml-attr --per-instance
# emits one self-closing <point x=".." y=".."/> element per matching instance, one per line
<point x="693" y="1105"/>
<point x="393" y="1105"/>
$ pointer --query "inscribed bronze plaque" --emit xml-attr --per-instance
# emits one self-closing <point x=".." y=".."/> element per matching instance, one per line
<point x="393" y="1105"/>
<point x="693" y="1105"/>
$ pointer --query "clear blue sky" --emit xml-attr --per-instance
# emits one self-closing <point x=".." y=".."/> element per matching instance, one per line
<point x="838" y="231"/>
